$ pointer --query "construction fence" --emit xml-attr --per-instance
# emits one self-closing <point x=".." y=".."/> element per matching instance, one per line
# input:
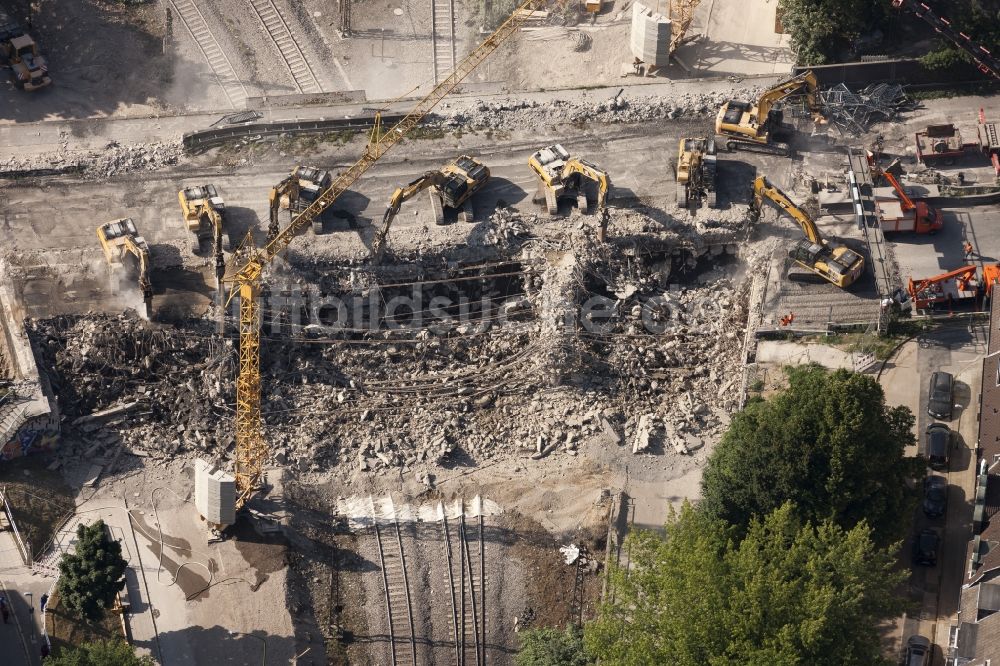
<point x="905" y="71"/>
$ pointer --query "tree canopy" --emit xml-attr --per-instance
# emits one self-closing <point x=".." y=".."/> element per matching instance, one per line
<point x="829" y="444"/>
<point x="821" y="29"/>
<point x="788" y="593"/>
<point x="90" y="576"/>
<point x="99" y="653"/>
<point x="551" y="647"/>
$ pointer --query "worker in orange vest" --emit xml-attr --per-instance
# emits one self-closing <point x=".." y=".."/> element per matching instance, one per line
<point x="968" y="249"/>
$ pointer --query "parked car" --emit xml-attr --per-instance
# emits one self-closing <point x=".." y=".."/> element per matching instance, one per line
<point x="938" y="440"/>
<point x="941" y="396"/>
<point x="918" y="651"/>
<point x="935" y="496"/>
<point x="925" y="546"/>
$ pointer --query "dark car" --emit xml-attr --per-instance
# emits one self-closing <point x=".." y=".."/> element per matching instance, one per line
<point x="925" y="547"/>
<point x="938" y="439"/>
<point x="935" y="496"/>
<point x="940" y="398"/>
<point x="918" y="651"/>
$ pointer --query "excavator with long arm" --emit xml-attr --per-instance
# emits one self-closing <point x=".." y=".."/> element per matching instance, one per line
<point x="562" y="176"/>
<point x="450" y="187"/>
<point x="753" y="126"/>
<point x="835" y="263"/>
<point x="249" y="263"/>
<point x="122" y="246"/>
<point x="285" y="191"/>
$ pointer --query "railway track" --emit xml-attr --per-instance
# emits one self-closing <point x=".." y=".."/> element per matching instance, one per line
<point x="288" y="48"/>
<point x="196" y="25"/>
<point x="463" y="541"/>
<point x="398" y="608"/>
<point x="443" y="38"/>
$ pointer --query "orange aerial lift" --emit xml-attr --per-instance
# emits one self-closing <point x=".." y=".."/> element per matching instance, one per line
<point x="953" y="287"/>
<point x="909" y="215"/>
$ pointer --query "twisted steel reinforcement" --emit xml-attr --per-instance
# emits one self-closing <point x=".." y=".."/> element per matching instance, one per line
<point x="288" y="48"/>
<point x="225" y="74"/>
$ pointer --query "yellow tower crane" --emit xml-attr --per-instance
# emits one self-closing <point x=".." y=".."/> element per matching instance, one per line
<point x="248" y="266"/>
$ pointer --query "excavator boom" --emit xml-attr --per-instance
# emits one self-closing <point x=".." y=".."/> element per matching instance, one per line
<point x="805" y="81"/>
<point x="399" y="195"/>
<point x="762" y="189"/>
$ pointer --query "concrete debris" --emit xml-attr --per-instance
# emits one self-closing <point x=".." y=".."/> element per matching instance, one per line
<point x="592" y="337"/>
<point x="571" y="553"/>
<point x="643" y="433"/>
<point x="113" y="160"/>
<point x="510" y="114"/>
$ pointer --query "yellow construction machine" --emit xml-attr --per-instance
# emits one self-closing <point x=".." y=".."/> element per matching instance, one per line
<point x="832" y="261"/>
<point x="450" y="187"/>
<point x="696" y="172"/>
<point x="757" y="126"/>
<point x="561" y="176"/>
<point x="296" y="193"/>
<point x="204" y="214"/>
<point x="125" y="248"/>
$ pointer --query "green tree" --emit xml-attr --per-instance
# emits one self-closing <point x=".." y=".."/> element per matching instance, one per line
<point x="821" y="29"/>
<point x="551" y="647"/>
<point x="788" y="593"/>
<point x="90" y="577"/>
<point x="829" y="444"/>
<point x="99" y="653"/>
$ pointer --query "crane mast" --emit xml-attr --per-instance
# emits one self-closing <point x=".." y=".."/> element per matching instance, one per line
<point x="251" y="449"/>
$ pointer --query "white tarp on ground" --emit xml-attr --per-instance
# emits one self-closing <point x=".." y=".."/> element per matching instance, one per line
<point x="363" y="511"/>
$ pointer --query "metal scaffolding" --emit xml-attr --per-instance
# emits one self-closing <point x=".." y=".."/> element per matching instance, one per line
<point x="856" y="111"/>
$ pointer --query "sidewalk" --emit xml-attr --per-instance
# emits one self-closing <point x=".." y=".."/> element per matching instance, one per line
<point x="20" y="640"/>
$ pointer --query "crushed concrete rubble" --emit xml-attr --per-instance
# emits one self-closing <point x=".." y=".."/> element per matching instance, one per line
<point x="543" y="381"/>
<point x="113" y="160"/>
<point x="511" y="114"/>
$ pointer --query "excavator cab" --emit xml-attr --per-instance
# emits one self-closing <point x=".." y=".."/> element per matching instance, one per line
<point x="312" y="182"/>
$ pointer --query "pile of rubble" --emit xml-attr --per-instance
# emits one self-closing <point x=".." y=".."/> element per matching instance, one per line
<point x="118" y="379"/>
<point x="511" y="114"/>
<point x="545" y="377"/>
<point x="113" y="160"/>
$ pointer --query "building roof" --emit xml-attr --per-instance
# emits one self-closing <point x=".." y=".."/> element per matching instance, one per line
<point x="978" y="636"/>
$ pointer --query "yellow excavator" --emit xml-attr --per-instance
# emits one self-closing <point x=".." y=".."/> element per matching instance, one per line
<point x="756" y="126"/>
<point x="561" y="176"/>
<point x="204" y="211"/>
<point x="696" y="172"/>
<point x="835" y="263"/>
<point x="296" y="193"/>
<point x="124" y="247"/>
<point x="450" y="187"/>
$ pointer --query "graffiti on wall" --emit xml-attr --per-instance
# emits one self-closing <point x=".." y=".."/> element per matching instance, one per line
<point x="34" y="437"/>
